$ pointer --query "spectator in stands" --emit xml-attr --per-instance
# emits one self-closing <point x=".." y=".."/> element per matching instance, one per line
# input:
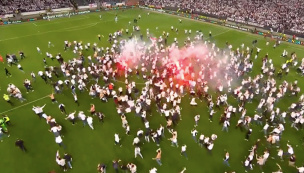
<point x="11" y="6"/>
<point x="277" y="14"/>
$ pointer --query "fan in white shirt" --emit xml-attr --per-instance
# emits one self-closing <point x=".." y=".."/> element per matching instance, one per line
<point x="265" y="128"/>
<point x="127" y="129"/>
<point x="210" y="147"/>
<point x="247" y="165"/>
<point x="213" y="137"/>
<point x="133" y="168"/>
<point x="226" y="124"/>
<point x="55" y="131"/>
<point x="71" y="117"/>
<point x="201" y="140"/>
<point x="75" y="98"/>
<point x="38" y="110"/>
<point x="117" y="139"/>
<point x="265" y="156"/>
<point x="137" y="152"/>
<point x="174" y="139"/>
<point x="58" y="140"/>
<point x="194" y="133"/>
<point x="280" y="154"/>
<point x="183" y="151"/>
<point x="38" y="50"/>
<point x="90" y="122"/>
<point x="196" y="119"/>
<point x="184" y="169"/>
<point x="140" y="133"/>
<point x="153" y="170"/>
<point x="82" y="117"/>
<point x="300" y="169"/>
<point x="40" y="73"/>
<point x="290" y="150"/>
<point x="147" y="125"/>
<point x="193" y="102"/>
<point x="61" y="162"/>
<point x="124" y="121"/>
<point x="167" y="113"/>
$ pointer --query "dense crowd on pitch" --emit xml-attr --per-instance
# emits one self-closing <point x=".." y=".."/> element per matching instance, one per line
<point x="11" y="6"/>
<point x="280" y="15"/>
<point x="210" y="76"/>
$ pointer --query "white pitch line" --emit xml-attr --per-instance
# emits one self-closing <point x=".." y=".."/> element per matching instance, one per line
<point x="34" y="24"/>
<point x="44" y="98"/>
<point x="293" y="47"/>
<point x="24" y="105"/>
<point x="76" y="29"/>
<point x="223" y="27"/>
<point x="117" y="15"/>
<point x="221" y="33"/>
<point x="63" y="21"/>
<point x="58" y="30"/>
<point x="44" y="32"/>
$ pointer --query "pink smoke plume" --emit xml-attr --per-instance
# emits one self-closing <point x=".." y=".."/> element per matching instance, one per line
<point x="177" y="54"/>
<point x="200" y="56"/>
<point x="209" y="63"/>
<point x="131" y="53"/>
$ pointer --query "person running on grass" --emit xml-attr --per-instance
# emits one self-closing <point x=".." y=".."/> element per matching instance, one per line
<point x="92" y="109"/>
<point x="52" y="96"/>
<point x="158" y="157"/>
<point x="6" y="120"/>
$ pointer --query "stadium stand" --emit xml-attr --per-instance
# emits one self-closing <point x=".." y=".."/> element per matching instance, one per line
<point x="282" y="14"/>
<point x="12" y="6"/>
<point x="83" y="2"/>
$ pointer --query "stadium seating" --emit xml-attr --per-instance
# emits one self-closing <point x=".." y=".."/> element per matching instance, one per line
<point x="82" y="2"/>
<point x="278" y="14"/>
<point x="11" y="6"/>
<point x="282" y="14"/>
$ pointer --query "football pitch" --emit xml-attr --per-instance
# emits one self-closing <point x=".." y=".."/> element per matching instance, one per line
<point x="90" y="147"/>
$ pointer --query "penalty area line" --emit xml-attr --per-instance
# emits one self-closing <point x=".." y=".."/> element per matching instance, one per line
<point x="17" y="107"/>
<point x="221" y="33"/>
<point x="24" y="105"/>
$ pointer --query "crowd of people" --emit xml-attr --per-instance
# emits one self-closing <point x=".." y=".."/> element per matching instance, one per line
<point x="202" y="71"/>
<point x="16" y="6"/>
<point x="13" y="6"/>
<point x="283" y="14"/>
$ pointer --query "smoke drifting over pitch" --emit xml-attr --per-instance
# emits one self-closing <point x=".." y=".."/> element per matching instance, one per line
<point x="199" y="60"/>
<point x="131" y="53"/>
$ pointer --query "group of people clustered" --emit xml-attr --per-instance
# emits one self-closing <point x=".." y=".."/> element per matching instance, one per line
<point x="278" y="14"/>
<point x="169" y="73"/>
<point x="11" y="6"/>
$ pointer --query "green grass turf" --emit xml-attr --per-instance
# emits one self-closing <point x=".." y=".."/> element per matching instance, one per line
<point x="88" y="147"/>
